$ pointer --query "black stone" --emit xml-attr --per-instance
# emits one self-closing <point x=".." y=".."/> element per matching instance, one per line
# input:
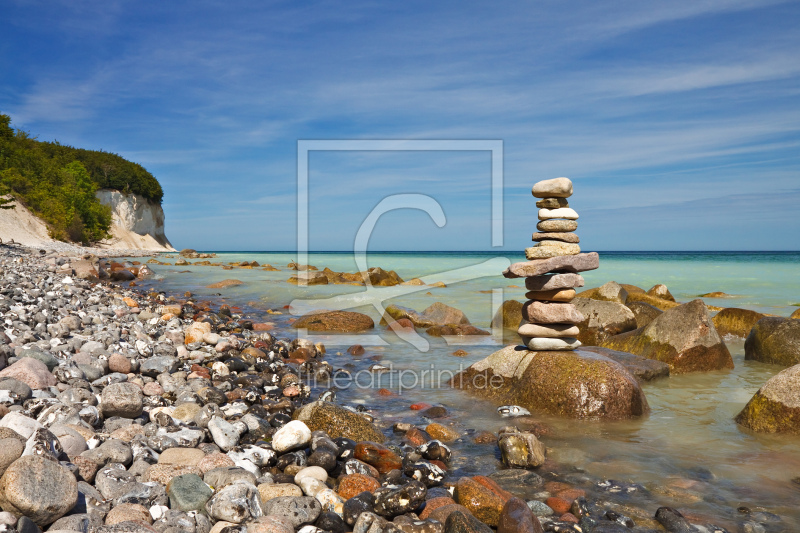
<point x="361" y="503"/>
<point x="331" y="522"/>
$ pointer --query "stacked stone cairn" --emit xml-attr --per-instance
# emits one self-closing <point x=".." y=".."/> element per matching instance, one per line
<point x="549" y="319"/>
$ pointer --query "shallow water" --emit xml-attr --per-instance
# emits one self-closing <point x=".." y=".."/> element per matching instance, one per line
<point x="687" y="452"/>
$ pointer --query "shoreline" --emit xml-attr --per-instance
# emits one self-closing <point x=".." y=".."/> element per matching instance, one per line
<point x="201" y="360"/>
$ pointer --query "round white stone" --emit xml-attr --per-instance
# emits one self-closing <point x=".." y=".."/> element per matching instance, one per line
<point x="293" y="435"/>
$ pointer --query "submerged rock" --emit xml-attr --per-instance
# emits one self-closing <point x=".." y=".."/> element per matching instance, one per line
<point x="340" y="321"/>
<point x="774" y="340"/>
<point x="578" y="384"/>
<point x="683" y="337"/>
<point x="775" y="408"/>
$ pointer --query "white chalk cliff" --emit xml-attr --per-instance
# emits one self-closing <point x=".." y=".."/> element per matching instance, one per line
<point x="137" y="223"/>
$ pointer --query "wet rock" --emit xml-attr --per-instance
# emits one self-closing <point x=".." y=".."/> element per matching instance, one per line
<point x="355" y="506"/>
<point x="437" y="314"/>
<point x="508" y="315"/>
<point x="736" y="322"/>
<point x="602" y="319"/>
<point x="551" y="381"/>
<point x="482" y="502"/>
<point x="461" y="522"/>
<point x="121" y="399"/>
<point x="402" y="500"/>
<point x="683" y="337"/>
<point x="774" y="340"/>
<point x="521" y="450"/>
<point x="338" y="422"/>
<point x="517" y="517"/>
<point x="299" y="511"/>
<point x="378" y="456"/>
<point x="339" y="321"/>
<point x="407" y="524"/>
<point x="775" y="408"/>
<point x="455" y="330"/>
<point x="673" y="521"/>
<point x="38" y="488"/>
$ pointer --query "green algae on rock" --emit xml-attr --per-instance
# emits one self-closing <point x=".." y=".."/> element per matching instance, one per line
<point x="737" y="322"/>
<point x="774" y="340"/>
<point x="775" y="408"/>
<point x="683" y="337"/>
<point x="337" y="422"/>
<point x="574" y="384"/>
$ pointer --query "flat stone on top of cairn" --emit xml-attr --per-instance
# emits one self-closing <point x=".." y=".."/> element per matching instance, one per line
<point x="549" y="319"/>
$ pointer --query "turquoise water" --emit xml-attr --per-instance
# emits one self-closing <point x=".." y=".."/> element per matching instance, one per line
<point x="690" y="428"/>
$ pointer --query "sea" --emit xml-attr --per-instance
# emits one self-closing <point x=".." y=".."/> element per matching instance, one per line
<point x="688" y="452"/>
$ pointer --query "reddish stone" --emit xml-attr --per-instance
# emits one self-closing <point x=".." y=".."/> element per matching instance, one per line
<point x="517" y="517"/>
<point x="419" y="406"/>
<point x="442" y="433"/>
<point x="354" y="484"/>
<point x="571" y="494"/>
<point x="301" y="354"/>
<point x="554" y="487"/>
<point x="416" y="436"/>
<point x="262" y="326"/>
<point x="482" y="502"/>
<point x="433" y="504"/>
<point x="385" y="392"/>
<point x="261" y="345"/>
<point x="438" y="463"/>
<point x="559" y="505"/>
<point x="494" y="487"/>
<point x="569" y="517"/>
<point x="381" y="457"/>
<point x="356" y="349"/>
<point x="405" y="325"/>
<point x="291" y="391"/>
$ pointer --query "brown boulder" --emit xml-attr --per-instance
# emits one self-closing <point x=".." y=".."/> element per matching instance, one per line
<point x="737" y="322"/>
<point x="574" y="384"/>
<point x="644" y="313"/>
<point x="338" y="422"/>
<point x="773" y="340"/>
<point x="437" y="314"/>
<point x="508" y="315"/>
<point x="602" y="319"/>
<point x="652" y="300"/>
<point x="775" y="408"/>
<point x="661" y="291"/>
<point x="611" y="292"/>
<point x="683" y="337"/>
<point x="308" y="278"/>
<point x="338" y="321"/>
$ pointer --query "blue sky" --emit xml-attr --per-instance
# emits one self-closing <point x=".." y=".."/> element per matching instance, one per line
<point x="679" y="122"/>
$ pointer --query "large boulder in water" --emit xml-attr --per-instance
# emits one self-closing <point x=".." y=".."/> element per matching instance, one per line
<point x="642" y="368"/>
<point x="737" y="322"/>
<point x="775" y="408"/>
<point x="644" y="312"/>
<point x="774" y="340"/>
<point x="602" y="319"/>
<point x="437" y="314"/>
<point x="336" y="321"/>
<point x="508" y="315"/>
<point x="660" y="303"/>
<point x="574" y="384"/>
<point x="683" y="337"/>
